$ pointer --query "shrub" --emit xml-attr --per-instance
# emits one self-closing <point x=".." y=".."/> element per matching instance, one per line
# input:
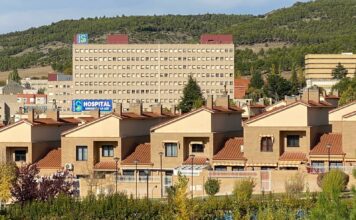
<point x="295" y="184"/>
<point x="334" y="181"/>
<point x="212" y="186"/>
<point x="243" y="189"/>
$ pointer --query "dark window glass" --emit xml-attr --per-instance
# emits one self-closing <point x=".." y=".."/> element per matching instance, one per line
<point x="171" y="149"/>
<point x="292" y="140"/>
<point x="266" y="144"/>
<point x="20" y="155"/>
<point x="107" y="151"/>
<point x="220" y="168"/>
<point x="82" y="153"/>
<point x="197" y="148"/>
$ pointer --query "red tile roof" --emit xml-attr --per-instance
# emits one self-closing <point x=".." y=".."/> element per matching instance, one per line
<point x="105" y="165"/>
<point x="334" y="139"/>
<point x="293" y="156"/>
<point x="196" y="161"/>
<point x="52" y="160"/>
<point x="142" y="153"/>
<point x="231" y="109"/>
<point x="117" y="39"/>
<point x="240" y="87"/>
<point x="216" y="39"/>
<point x="332" y="97"/>
<point x="231" y="150"/>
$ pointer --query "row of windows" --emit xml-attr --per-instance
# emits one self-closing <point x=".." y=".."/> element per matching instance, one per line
<point x="267" y="142"/>
<point x="153" y="75"/>
<point x="147" y="91"/>
<point x="104" y="59"/>
<point x="59" y="86"/>
<point x="171" y="50"/>
<point x="153" y="67"/>
<point x="152" y="83"/>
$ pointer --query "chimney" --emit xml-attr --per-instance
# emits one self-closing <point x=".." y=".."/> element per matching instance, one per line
<point x="311" y="94"/>
<point x="210" y="102"/>
<point x="118" y="109"/>
<point x="223" y="101"/>
<point x="53" y="115"/>
<point x="157" y="109"/>
<point x="290" y="99"/>
<point x="136" y="108"/>
<point x="95" y="113"/>
<point x="31" y="115"/>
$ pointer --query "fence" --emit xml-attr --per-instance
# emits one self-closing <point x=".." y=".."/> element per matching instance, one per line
<point x="323" y="169"/>
<point x="167" y="180"/>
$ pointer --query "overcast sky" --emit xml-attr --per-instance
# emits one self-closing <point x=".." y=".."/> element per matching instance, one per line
<point x="22" y="14"/>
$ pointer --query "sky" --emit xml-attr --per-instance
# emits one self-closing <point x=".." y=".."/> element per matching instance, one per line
<point x="17" y="15"/>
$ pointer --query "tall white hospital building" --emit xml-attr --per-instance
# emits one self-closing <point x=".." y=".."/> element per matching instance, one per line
<point x="151" y="73"/>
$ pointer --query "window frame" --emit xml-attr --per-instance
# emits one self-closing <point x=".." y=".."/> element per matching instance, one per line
<point x="173" y="146"/>
<point x="79" y="151"/>
<point x="195" y="144"/>
<point x="266" y="144"/>
<point x="290" y="142"/>
<point x="109" y="149"/>
<point x="16" y="155"/>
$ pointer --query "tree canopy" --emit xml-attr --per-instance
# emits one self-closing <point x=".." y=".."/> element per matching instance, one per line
<point x="339" y="72"/>
<point x="192" y="96"/>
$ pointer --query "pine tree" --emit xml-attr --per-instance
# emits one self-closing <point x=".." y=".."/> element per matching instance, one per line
<point x="256" y="80"/>
<point x="14" y="76"/>
<point x="339" y="72"/>
<point x="192" y="96"/>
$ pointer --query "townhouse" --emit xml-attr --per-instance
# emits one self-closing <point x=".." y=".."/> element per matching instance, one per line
<point x="196" y="137"/>
<point x="283" y="137"/>
<point x="114" y="138"/>
<point x="29" y="140"/>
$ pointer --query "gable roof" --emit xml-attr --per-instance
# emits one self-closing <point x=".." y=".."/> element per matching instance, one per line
<point x="349" y="114"/>
<point x="310" y="104"/>
<point x="293" y="156"/>
<point x="334" y="139"/>
<point x="343" y="106"/>
<point x="214" y="110"/>
<point x="142" y="154"/>
<point x="196" y="161"/>
<point x="105" y="165"/>
<point x="231" y="150"/>
<point x="52" y="160"/>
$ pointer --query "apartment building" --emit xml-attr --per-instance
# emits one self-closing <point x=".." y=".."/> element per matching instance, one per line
<point x="31" y="139"/>
<point x="318" y="68"/>
<point x="284" y="136"/>
<point x="151" y="73"/>
<point x="92" y="147"/>
<point x="202" y="133"/>
<point x="60" y="91"/>
<point x="36" y="84"/>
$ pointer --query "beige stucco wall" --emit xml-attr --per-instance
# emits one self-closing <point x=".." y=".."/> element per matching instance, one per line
<point x="336" y="126"/>
<point x="49" y="133"/>
<point x="138" y="127"/>
<point x="199" y="122"/>
<point x="337" y="115"/>
<point x="18" y="133"/>
<point x="283" y="118"/>
<point x="226" y="122"/>
<point x="349" y="139"/>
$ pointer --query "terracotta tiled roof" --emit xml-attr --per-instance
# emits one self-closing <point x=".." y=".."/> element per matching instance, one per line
<point x="334" y="139"/>
<point x="220" y="109"/>
<point x="145" y="115"/>
<point x="332" y="97"/>
<point x="52" y="160"/>
<point x="231" y="150"/>
<point x="293" y="156"/>
<point x="142" y="153"/>
<point x="240" y="87"/>
<point x="257" y="106"/>
<point x="196" y="161"/>
<point x="50" y="121"/>
<point x="105" y="165"/>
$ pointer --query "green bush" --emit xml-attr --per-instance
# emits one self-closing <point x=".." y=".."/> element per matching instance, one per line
<point x="335" y="180"/>
<point x="243" y="189"/>
<point x="295" y="184"/>
<point x="212" y="186"/>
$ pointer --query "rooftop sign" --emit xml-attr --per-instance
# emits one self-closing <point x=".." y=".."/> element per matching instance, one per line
<point x="80" y="105"/>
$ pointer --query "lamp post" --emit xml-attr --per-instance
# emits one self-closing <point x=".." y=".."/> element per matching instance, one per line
<point x="116" y="159"/>
<point x="161" y="172"/>
<point x="136" y="162"/>
<point x="147" y="172"/>
<point x="328" y="146"/>
<point x="207" y="163"/>
<point x="192" y="156"/>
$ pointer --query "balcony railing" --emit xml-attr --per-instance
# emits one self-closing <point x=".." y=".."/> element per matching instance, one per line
<point x="167" y="180"/>
<point x="323" y="169"/>
<point x="232" y="174"/>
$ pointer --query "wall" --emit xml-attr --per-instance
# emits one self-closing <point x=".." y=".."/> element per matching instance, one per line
<point x="349" y="139"/>
<point x="24" y="129"/>
<point x="318" y="116"/>
<point x="226" y="122"/>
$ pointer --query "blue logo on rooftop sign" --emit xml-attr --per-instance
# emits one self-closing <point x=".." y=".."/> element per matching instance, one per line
<point x="79" y="105"/>
<point x="82" y="39"/>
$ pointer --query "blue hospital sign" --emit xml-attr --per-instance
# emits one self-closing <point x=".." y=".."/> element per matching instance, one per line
<point x="79" y="105"/>
<point x="82" y="39"/>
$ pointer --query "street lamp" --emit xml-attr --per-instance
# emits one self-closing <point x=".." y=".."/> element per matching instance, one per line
<point x="136" y="162"/>
<point x="147" y="172"/>
<point x="192" y="156"/>
<point x="116" y="159"/>
<point x="161" y="171"/>
<point x="328" y="146"/>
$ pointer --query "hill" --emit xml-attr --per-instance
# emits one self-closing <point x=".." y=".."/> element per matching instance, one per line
<point x="322" y="26"/>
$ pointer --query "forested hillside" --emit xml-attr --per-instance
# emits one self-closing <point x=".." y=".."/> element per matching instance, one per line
<point x="323" y="26"/>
